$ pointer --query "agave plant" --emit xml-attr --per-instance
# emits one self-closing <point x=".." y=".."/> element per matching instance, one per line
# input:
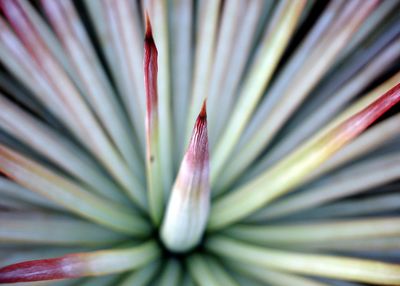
<point x="199" y="142"/>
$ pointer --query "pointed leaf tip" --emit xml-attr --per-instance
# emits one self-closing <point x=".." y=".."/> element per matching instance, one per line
<point x="203" y="112"/>
<point x="198" y="153"/>
<point x="150" y="69"/>
<point x="149" y="31"/>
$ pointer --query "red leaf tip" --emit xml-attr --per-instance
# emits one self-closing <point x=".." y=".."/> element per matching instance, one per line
<point x="201" y="122"/>
<point x="203" y="112"/>
<point x="150" y="67"/>
<point x="149" y="31"/>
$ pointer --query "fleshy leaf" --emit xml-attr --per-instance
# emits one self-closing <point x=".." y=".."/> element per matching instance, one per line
<point x="310" y="233"/>
<point x="72" y="196"/>
<point x="154" y="182"/>
<point x="189" y="204"/>
<point x="344" y="268"/>
<point x="91" y="78"/>
<point x="292" y="170"/>
<point x="80" y="264"/>
<point x="39" y="228"/>
<point x="54" y="88"/>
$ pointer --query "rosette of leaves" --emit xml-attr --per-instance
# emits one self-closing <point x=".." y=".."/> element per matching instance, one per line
<point x="199" y="142"/>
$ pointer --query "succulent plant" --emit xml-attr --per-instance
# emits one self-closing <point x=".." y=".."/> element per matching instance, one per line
<point x="199" y="142"/>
